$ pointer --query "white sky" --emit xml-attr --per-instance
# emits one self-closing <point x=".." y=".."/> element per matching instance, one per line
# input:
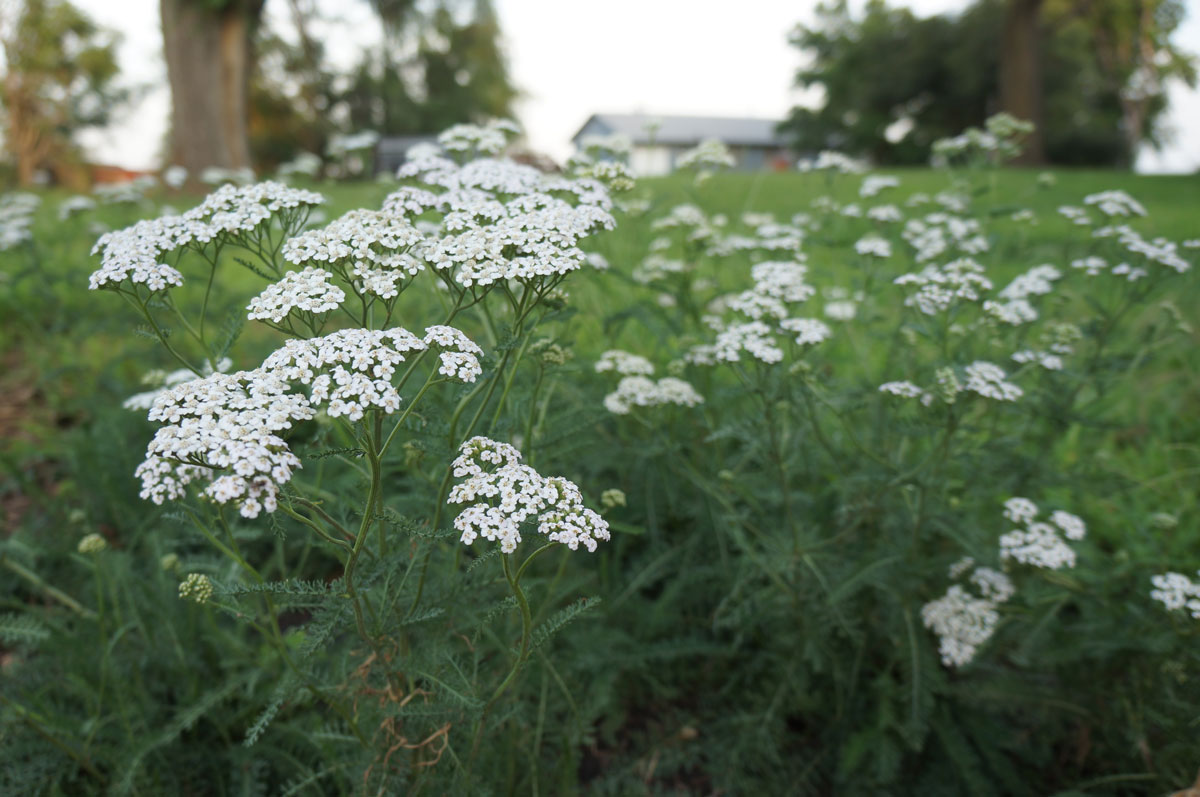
<point x="572" y="58"/>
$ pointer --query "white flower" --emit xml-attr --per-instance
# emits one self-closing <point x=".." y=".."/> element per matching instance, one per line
<point x="136" y="253"/>
<point x="488" y="139"/>
<point x="988" y="380"/>
<point x="223" y="429"/>
<point x="1038" y="545"/>
<point x="350" y="369"/>
<point x="1038" y="281"/>
<point x="624" y="363"/>
<point x="707" y="154"/>
<point x="1020" y="510"/>
<point x="885" y="213"/>
<point x="939" y="288"/>
<point x="503" y="494"/>
<point x="874" y="183"/>
<point x="841" y="310"/>
<point x="1051" y="362"/>
<point x="808" y="330"/>
<point x="904" y="389"/>
<point x="461" y="358"/>
<point x="993" y="584"/>
<point x="74" y="205"/>
<point x="641" y="391"/>
<point x="1072" y="526"/>
<point x="379" y="248"/>
<point x="873" y="245"/>
<point x="310" y="291"/>
<point x="1176" y="591"/>
<point x="1115" y="203"/>
<point x="962" y="623"/>
<point x="753" y="337"/>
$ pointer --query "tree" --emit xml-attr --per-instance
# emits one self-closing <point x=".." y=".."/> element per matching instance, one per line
<point x="60" y="77"/>
<point x="207" y="44"/>
<point x="438" y="64"/>
<point x="1079" y="68"/>
<point x="433" y="70"/>
<point x="1020" y="75"/>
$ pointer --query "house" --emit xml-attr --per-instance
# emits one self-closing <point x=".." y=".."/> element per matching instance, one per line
<point x="390" y="152"/>
<point x="658" y="141"/>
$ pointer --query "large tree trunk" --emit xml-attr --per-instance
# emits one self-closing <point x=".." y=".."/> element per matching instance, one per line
<point x="208" y="66"/>
<point x="1021" y="73"/>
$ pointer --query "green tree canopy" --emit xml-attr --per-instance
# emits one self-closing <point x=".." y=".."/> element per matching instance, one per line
<point x="60" y="72"/>
<point x="931" y="77"/>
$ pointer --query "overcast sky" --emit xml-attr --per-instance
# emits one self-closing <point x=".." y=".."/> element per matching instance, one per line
<point x="572" y="58"/>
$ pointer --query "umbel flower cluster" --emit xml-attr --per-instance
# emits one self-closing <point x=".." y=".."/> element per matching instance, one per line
<point x="964" y="620"/>
<point x="227" y="428"/>
<point x="502" y="494"/>
<point x="135" y="255"/>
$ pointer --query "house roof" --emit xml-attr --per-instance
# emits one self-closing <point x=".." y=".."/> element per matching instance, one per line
<point x="686" y="130"/>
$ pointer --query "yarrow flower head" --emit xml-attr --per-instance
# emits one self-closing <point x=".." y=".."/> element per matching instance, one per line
<point x="350" y="369"/>
<point x="309" y="291"/>
<point x="1040" y="544"/>
<point x="503" y="493"/>
<point x="641" y="391"/>
<point x="92" y="543"/>
<point x="224" y="429"/>
<point x="708" y="154"/>
<point x="988" y="380"/>
<point x="624" y="363"/>
<point x="196" y="588"/>
<point x="1176" y="591"/>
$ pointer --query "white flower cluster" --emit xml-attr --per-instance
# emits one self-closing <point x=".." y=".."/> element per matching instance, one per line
<point x="379" y="247"/>
<point x="224" y="422"/>
<point x="939" y="288"/>
<point x="163" y="380"/>
<point x="936" y="233"/>
<point x="16" y="218"/>
<point x="1039" y="543"/>
<point x="709" y="153"/>
<point x="351" y="369"/>
<point x="242" y="208"/>
<point x="1038" y="281"/>
<point x="656" y="267"/>
<point x="885" y="213"/>
<point x="74" y="205"/>
<point x="309" y="290"/>
<point x="1159" y="251"/>
<point x="984" y="378"/>
<point x="513" y="493"/>
<point x="873" y="245"/>
<point x="642" y="391"/>
<point x="136" y="253"/>
<point x="962" y="623"/>
<point x="1051" y="362"/>
<point x="487" y="139"/>
<point x="534" y="236"/>
<point x="989" y="381"/>
<point x="755" y="338"/>
<point x="460" y="356"/>
<point x="830" y="160"/>
<point x="1176" y="591"/>
<point x="873" y="184"/>
<point x="1115" y="203"/>
<point x="624" y="363"/>
<point x="808" y="330"/>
